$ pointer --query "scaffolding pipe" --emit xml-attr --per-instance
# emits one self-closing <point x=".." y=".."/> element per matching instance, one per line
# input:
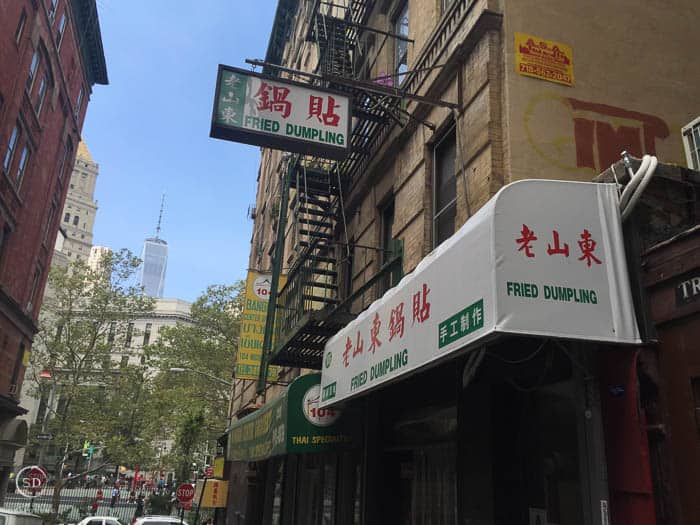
<point x="274" y="284"/>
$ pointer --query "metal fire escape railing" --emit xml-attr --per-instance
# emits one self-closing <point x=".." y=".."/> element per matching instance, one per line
<point x="309" y="308"/>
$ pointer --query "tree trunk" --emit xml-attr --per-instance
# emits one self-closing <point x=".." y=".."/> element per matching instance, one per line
<point x="56" y="498"/>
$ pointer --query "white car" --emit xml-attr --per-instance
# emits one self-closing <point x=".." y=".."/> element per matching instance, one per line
<point x="18" y="517"/>
<point x="158" y="520"/>
<point x="99" y="520"/>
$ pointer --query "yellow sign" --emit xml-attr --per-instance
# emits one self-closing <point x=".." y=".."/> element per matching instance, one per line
<point x="219" y="466"/>
<point x="253" y="326"/>
<point x="544" y="59"/>
<point x="215" y="493"/>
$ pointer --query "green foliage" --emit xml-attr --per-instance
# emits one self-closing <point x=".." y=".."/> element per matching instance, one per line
<point x="83" y="507"/>
<point x="84" y="318"/>
<point x="158" y="504"/>
<point x="201" y="398"/>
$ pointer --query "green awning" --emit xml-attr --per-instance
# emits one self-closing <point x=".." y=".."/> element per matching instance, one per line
<point x="293" y="423"/>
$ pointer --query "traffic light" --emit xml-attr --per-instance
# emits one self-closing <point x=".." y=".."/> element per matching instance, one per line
<point x="86" y="448"/>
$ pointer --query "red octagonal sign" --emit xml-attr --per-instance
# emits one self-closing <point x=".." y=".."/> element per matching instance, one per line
<point x="185" y="492"/>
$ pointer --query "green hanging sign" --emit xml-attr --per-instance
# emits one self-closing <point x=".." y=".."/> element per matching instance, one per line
<point x="293" y="423"/>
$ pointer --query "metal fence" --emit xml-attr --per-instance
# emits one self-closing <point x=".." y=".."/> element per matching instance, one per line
<point x="76" y="503"/>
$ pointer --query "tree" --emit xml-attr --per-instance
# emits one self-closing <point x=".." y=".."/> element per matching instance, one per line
<point x="209" y="346"/>
<point x="87" y="313"/>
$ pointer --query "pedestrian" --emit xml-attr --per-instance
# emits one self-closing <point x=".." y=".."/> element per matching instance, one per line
<point x="139" y="506"/>
<point x="132" y="496"/>
<point x="115" y="497"/>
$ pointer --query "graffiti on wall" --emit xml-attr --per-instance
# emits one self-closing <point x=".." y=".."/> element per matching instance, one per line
<point x="573" y="134"/>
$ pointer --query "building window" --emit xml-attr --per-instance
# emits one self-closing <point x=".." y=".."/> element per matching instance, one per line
<point x="79" y="103"/>
<point x="444" y="4"/>
<point x="41" y="93"/>
<point x="61" y="29"/>
<point x="34" y="288"/>
<point x="66" y="217"/>
<point x="53" y="4"/>
<point x="691" y="132"/>
<point x="444" y="188"/>
<point x="32" y="70"/>
<point x="147" y="334"/>
<point x="695" y="385"/>
<point x="22" y="165"/>
<point x="110" y="334"/>
<point x="76" y="219"/>
<point x="18" y="367"/>
<point x="67" y="152"/>
<point x="11" y="146"/>
<point x="49" y="220"/>
<point x="20" y="26"/>
<point x="401" y="57"/>
<point x="4" y="236"/>
<point x="387" y="226"/>
<point x="129" y="335"/>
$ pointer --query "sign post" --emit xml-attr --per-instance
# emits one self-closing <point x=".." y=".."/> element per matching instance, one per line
<point x="184" y="495"/>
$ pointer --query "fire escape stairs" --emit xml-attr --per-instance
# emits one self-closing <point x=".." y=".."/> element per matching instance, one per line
<point x="309" y="307"/>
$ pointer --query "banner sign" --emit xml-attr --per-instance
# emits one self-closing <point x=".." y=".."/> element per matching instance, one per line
<point x="544" y="59"/>
<point x="250" y="344"/>
<point x="542" y="258"/>
<point x="215" y="493"/>
<point x="292" y="424"/>
<point x="277" y="113"/>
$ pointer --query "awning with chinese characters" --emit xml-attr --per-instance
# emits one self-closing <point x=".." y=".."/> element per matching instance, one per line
<point x="542" y="258"/>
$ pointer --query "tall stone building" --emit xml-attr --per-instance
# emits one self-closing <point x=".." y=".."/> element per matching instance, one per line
<point x="452" y="103"/>
<point x="51" y="56"/>
<point x="78" y="218"/>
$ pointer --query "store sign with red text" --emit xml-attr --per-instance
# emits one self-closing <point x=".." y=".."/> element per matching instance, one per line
<point x="542" y="258"/>
<point x="277" y="113"/>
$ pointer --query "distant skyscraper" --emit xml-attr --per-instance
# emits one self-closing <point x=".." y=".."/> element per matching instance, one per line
<point x="79" y="209"/>
<point x="155" y="261"/>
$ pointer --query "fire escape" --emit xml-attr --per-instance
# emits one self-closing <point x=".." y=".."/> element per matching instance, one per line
<point x="310" y="308"/>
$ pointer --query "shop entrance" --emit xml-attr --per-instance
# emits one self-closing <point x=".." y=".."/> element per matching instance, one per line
<point x="510" y="447"/>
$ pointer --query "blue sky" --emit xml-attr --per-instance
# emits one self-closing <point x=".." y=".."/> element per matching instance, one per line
<point x="149" y="132"/>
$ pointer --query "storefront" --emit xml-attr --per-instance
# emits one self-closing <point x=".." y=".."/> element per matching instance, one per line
<point x="293" y="462"/>
<point x="480" y="373"/>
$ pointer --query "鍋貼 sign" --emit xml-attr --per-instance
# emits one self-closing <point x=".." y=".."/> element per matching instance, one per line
<point x="281" y="114"/>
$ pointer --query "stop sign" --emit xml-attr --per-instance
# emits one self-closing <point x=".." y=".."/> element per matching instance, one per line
<point x="185" y="492"/>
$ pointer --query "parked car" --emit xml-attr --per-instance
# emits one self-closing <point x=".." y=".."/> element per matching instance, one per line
<point x="99" y="520"/>
<point x="18" y="517"/>
<point x="158" y="520"/>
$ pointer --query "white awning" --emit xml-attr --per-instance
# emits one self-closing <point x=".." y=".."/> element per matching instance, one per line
<point x="542" y="258"/>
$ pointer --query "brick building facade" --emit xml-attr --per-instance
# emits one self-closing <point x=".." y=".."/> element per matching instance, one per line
<point x="51" y="55"/>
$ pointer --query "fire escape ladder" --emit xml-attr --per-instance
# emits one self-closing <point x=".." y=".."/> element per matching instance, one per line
<point x="311" y="291"/>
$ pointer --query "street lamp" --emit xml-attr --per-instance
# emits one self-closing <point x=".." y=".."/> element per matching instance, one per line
<point x="177" y="370"/>
<point x="229" y="384"/>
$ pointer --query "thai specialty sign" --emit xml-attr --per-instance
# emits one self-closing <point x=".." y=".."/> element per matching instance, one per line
<point x="250" y="344"/>
<point x="544" y="59"/>
<point x="291" y="424"/>
<point x="542" y="258"/>
<point x="278" y="113"/>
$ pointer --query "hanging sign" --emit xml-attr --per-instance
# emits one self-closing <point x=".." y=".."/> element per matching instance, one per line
<point x="277" y="113"/>
<point x="250" y="344"/>
<point x="293" y="423"/>
<point x="541" y="258"/>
